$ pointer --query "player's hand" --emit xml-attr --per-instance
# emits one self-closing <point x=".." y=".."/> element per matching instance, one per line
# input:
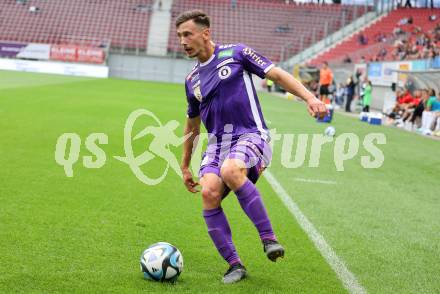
<point x="188" y="181"/>
<point x="316" y="108"/>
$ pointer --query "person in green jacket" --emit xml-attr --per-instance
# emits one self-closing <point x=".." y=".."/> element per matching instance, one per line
<point x="367" y="97"/>
<point x="269" y="85"/>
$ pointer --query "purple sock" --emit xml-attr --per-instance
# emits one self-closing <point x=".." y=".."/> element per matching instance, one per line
<point x="220" y="232"/>
<point x="252" y="204"/>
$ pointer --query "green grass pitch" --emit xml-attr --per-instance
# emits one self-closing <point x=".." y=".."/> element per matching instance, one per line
<point x="85" y="234"/>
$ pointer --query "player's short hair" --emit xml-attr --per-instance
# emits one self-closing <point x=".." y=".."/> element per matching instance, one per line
<point x="198" y="16"/>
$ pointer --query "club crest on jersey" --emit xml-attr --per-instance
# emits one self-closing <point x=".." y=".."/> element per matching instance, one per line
<point x="198" y="93"/>
<point x="224" y="72"/>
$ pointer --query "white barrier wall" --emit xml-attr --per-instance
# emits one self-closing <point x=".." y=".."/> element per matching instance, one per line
<point x="151" y="68"/>
<point x="72" y="69"/>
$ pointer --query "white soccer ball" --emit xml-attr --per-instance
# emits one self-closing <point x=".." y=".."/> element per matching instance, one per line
<point x="161" y="262"/>
<point x="330" y="131"/>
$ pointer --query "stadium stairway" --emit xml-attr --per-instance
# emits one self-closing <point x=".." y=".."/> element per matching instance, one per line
<point x="159" y="28"/>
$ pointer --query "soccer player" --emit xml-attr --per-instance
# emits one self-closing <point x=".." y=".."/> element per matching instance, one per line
<point x="220" y="92"/>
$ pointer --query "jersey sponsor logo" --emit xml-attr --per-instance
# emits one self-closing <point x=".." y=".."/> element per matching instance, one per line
<point x="225" y="53"/>
<point x="198" y="93"/>
<point x="224" y="72"/>
<point x="224" y="62"/>
<point x="254" y="56"/>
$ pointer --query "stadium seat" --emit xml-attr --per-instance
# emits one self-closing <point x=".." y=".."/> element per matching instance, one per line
<point x="385" y="25"/>
<point x="249" y="23"/>
<point x="125" y="23"/>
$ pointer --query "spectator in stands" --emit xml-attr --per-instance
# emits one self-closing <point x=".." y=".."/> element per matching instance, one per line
<point x="366" y="101"/>
<point x="350" y="90"/>
<point x="362" y="39"/>
<point x="347" y="59"/>
<point x="408" y="4"/>
<point x="398" y="31"/>
<point x="380" y="37"/>
<point x="414" y="43"/>
<point x="325" y="80"/>
<point x="403" y="21"/>
<point x="382" y="53"/>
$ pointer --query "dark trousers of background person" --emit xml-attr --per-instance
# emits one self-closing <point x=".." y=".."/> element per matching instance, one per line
<point x="348" y="102"/>
<point x="408" y="3"/>
<point x="366" y="108"/>
<point x="269" y="88"/>
<point x="418" y="111"/>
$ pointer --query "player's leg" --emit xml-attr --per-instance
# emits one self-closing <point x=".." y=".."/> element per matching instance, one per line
<point x="218" y="226"/>
<point x="234" y="173"/>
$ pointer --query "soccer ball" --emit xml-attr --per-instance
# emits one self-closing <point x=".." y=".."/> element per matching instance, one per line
<point x="330" y="131"/>
<point x="161" y="262"/>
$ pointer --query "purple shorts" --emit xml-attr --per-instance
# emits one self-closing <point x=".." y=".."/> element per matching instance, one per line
<point x="250" y="148"/>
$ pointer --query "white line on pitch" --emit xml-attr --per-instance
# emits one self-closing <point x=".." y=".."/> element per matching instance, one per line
<point x="315" y="181"/>
<point x="348" y="279"/>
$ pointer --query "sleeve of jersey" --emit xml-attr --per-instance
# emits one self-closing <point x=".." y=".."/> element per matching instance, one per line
<point x="254" y="62"/>
<point x="193" y="104"/>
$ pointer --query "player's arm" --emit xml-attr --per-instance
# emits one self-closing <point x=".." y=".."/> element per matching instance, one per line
<point x="292" y="85"/>
<point x="192" y="129"/>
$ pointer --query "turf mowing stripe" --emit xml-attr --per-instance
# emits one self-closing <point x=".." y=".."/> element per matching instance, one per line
<point x="315" y="181"/>
<point x="348" y="279"/>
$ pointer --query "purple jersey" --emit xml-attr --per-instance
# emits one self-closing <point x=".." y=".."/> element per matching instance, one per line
<point x="221" y="91"/>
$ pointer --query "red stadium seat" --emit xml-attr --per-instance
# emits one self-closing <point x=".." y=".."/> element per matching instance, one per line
<point x="62" y="20"/>
<point x="255" y="22"/>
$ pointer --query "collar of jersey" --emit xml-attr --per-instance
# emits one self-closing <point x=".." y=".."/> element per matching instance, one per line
<point x="210" y="58"/>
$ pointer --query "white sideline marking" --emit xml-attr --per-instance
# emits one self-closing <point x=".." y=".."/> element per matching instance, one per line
<point x="348" y="279"/>
<point x="315" y="181"/>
